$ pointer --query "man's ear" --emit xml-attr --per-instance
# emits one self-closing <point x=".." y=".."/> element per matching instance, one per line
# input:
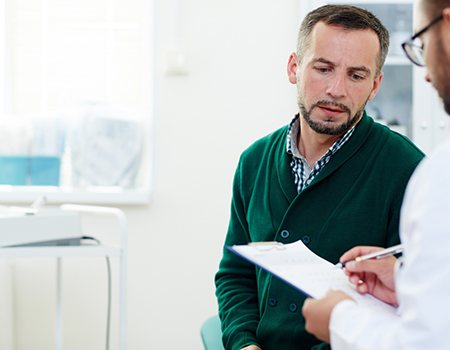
<point x="292" y="68"/>
<point x="376" y="85"/>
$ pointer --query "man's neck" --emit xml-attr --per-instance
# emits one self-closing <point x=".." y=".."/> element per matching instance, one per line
<point x="313" y="145"/>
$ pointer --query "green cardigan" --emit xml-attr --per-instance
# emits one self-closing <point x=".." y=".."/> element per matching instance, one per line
<point x="354" y="200"/>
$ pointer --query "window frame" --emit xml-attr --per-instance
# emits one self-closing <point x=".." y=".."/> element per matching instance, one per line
<point x="112" y="195"/>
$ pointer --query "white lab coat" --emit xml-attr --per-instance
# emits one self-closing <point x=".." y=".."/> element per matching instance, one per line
<point x="422" y="284"/>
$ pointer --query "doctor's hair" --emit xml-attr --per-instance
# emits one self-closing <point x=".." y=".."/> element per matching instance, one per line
<point x="347" y="17"/>
<point x="433" y="8"/>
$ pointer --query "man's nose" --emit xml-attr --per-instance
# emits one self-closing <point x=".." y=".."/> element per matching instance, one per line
<point x="337" y="86"/>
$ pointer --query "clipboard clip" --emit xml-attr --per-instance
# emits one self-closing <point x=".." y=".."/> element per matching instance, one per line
<point x="269" y="245"/>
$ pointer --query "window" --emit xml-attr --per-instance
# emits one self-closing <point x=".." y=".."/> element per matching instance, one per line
<point x="75" y="100"/>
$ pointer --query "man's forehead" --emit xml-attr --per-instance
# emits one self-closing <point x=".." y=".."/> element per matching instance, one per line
<point x="421" y="18"/>
<point x="331" y="31"/>
<point x="418" y="17"/>
<point x="355" y="47"/>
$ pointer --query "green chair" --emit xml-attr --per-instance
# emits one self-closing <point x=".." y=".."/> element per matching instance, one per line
<point x="211" y="333"/>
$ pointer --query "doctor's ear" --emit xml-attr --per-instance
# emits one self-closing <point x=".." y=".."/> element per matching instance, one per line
<point x="292" y="68"/>
<point x="446" y="15"/>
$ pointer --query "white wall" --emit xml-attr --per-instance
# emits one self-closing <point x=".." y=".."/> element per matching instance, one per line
<point x="236" y="91"/>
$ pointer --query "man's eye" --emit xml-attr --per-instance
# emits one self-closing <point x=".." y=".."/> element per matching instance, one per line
<point x="355" y="76"/>
<point x="322" y="69"/>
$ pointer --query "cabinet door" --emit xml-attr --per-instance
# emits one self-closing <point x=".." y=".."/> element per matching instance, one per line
<point x="431" y="125"/>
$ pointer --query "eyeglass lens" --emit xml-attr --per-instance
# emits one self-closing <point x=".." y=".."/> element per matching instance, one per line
<point x="414" y="52"/>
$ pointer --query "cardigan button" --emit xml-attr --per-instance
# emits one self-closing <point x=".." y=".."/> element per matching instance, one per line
<point x="293" y="307"/>
<point x="273" y="302"/>
<point x="284" y="234"/>
<point x="306" y="239"/>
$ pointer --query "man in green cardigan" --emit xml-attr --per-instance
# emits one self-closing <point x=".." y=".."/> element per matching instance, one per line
<point x="332" y="178"/>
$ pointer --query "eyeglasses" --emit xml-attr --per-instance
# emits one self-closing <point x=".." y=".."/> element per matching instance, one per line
<point x="414" y="47"/>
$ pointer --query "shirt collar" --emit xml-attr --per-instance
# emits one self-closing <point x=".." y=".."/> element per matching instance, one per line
<point x="294" y="131"/>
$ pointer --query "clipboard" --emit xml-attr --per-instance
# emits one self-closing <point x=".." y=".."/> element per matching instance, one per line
<point x="301" y="268"/>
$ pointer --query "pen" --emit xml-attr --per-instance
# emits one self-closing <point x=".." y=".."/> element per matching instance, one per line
<point x="375" y="255"/>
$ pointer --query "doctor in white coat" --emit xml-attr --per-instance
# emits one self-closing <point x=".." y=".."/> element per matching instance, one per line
<point x="421" y="287"/>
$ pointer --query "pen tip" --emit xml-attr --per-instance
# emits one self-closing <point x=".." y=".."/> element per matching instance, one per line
<point x="339" y="265"/>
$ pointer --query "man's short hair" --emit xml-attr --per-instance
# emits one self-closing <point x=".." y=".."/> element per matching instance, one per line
<point x="347" y="17"/>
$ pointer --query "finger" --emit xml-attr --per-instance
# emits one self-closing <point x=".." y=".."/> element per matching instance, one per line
<point x="358" y="251"/>
<point x="362" y="288"/>
<point x="307" y="302"/>
<point x="360" y="285"/>
<point x="307" y="305"/>
<point x="355" y="279"/>
<point x="349" y="274"/>
<point x="375" y="266"/>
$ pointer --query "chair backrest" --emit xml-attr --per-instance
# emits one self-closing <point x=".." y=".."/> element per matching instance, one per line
<point x="211" y="334"/>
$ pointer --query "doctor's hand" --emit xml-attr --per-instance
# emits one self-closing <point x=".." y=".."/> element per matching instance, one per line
<point x="317" y="313"/>
<point x="374" y="276"/>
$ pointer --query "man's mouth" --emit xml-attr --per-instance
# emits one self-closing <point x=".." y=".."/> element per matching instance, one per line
<point x="331" y="109"/>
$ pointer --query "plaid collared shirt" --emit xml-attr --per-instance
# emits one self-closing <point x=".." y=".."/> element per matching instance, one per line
<point x="303" y="174"/>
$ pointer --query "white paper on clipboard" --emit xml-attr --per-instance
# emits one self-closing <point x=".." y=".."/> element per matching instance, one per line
<point x="297" y="265"/>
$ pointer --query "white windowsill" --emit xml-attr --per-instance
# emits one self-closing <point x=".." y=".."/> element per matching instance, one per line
<point x="58" y="195"/>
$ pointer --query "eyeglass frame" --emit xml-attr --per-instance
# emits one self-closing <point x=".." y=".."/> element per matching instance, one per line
<point x="410" y="42"/>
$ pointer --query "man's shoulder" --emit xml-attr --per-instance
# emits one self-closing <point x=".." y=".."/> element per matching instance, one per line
<point x="396" y="142"/>
<point x="267" y="143"/>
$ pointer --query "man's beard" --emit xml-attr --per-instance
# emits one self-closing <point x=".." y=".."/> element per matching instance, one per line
<point x="444" y="93"/>
<point x="443" y="89"/>
<point x="330" y="130"/>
